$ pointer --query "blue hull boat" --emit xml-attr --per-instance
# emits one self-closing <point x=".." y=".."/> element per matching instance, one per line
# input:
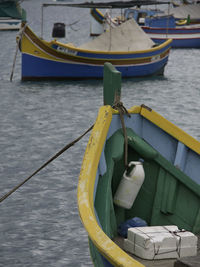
<point x="185" y="32"/>
<point x="133" y="57"/>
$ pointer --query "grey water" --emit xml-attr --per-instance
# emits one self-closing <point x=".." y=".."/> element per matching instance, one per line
<point x="39" y="223"/>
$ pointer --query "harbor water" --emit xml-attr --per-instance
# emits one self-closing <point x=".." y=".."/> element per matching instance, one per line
<point x="39" y="223"/>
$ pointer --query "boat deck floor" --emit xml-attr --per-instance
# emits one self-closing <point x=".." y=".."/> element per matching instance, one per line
<point x="183" y="262"/>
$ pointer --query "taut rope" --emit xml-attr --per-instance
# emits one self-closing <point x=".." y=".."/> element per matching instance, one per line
<point x="18" y="39"/>
<point x="45" y="164"/>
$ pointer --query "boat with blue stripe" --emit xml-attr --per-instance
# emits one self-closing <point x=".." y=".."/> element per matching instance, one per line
<point x="182" y="25"/>
<point x="129" y="49"/>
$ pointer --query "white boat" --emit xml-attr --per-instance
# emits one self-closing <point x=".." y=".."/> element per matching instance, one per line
<point x="9" y="24"/>
<point x="11" y="15"/>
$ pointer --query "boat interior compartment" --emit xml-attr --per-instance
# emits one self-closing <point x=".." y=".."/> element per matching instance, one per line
<point x="168" y="195"/>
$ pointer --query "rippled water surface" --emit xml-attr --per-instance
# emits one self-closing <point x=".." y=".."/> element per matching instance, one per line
<point x="39" y="224"/>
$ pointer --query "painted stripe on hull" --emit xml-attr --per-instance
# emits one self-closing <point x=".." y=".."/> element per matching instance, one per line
<point x="179" y="39"/>
<point x="193" y="31"/>
<point x="65" y="52"/>
<point x="175" y="36"/>
<point x="179" y="43"/>
<point x="114" y="55"/>
<point x="42" y="68"/>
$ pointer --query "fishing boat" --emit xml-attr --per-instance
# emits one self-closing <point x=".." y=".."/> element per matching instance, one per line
<point x="127" y="47"/>
<point x="181" y="24"/>
<point x="11" y="15"/>
<point x="164" y="190"/>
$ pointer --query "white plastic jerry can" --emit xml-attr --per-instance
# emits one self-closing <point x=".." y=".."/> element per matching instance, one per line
<point x="130" y="185"/>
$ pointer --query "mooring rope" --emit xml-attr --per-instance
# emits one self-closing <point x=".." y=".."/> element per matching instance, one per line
<point x="45" y="164"/>
<point x="18" y="40"/>
<point x="123" y="111"/>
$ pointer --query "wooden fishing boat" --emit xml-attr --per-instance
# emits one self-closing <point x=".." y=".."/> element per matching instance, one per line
<point x="11" y="15"/>
<point x="169" y="194"/>
<point x="127" y="47"/>
<point x="181" y="25"/>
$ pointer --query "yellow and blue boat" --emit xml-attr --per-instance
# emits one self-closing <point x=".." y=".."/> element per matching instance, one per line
<point x="169" y="193"/>
<point x="127" y="47"/>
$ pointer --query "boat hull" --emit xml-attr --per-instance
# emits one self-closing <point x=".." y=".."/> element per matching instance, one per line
<point x="170" y="194"/>
<point x="185" y="33"/>
<point x="181" y="37"/>
<point x="162" y="28"/>
<point x="40" y="68"/>
<point x="53" y="60"/>
<point x="10" y="24"/>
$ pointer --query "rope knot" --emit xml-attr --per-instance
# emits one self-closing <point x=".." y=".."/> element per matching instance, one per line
<point x="121" y="108"/>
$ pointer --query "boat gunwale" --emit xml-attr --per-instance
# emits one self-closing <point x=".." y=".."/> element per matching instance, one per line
<point x="85" y="196"/>
<point x="45" y="48"/>
<point x="88" y="175"/>
<point x="177" y="28"/>
<point x="43" y="43"/>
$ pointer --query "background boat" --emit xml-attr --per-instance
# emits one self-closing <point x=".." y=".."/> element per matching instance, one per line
<point x="11" y="15"/>
<point x="181" y="24"/>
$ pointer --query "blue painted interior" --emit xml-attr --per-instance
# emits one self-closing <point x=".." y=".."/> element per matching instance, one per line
<point x="181" y="155"/>
<point x="161" y="22"/>
<point x="170" y="148"/>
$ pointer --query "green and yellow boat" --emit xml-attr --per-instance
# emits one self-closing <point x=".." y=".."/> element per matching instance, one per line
<point x="169" y="194"/>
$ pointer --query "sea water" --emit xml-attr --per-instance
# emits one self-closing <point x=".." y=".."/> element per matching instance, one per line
<point x="39" y="223"/>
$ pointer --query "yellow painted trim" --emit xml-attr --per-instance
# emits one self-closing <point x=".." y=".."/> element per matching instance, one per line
<point x="167" y="126"/>
<point x="181" y="22"/>
<point x="99" y="12"/>
<point x="171" y="129"/>
<point x="104" y="244"/>
<point x="135" y="109"/>
<point x="29" y="46"/>
<point x="110" y="53"/>
<point x="86" y="184"/>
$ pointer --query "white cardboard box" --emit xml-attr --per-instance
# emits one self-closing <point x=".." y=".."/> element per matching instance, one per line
<point x="160" y="242"/>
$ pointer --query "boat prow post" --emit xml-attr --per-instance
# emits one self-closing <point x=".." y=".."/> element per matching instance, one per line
<point x="111" y="84"/>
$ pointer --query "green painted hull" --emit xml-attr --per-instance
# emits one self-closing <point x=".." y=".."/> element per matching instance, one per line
<point x="170" y="194"/>
<point x="167" y="197"/>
